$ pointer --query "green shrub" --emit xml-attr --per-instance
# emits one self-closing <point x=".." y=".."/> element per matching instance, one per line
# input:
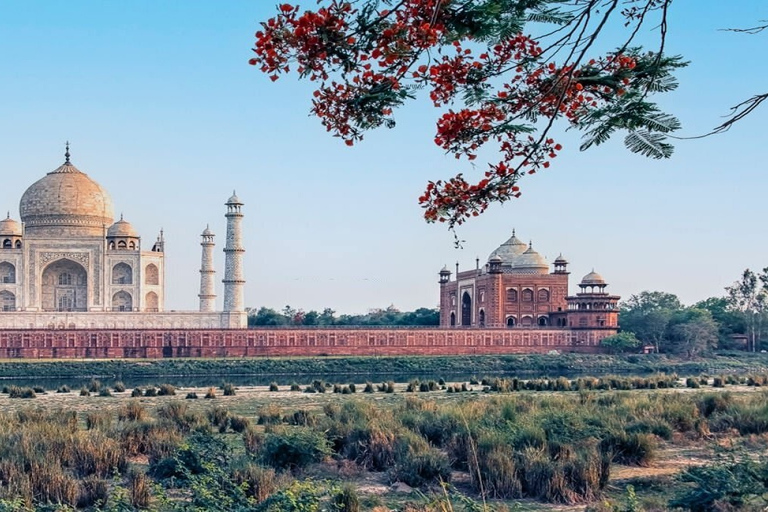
<point x="347" y="499"/>
<point x="274" y="387"/>
<point x="63" y="389"/>
<point x="295" y="387"/>
<point x="119" y="387"/>
<point x="294" y="448"/>
<point x="693" y="383"/>
<point x="150" y="391"/>
<point x="94" y="386"/>
<point x="136" y="393"/>
<point x="132" y="411"/>
<point x="269" y="415"/>
<point x="19" y="392"/>
<point x="261" y="482"/>
<point x="718" y="382"/>
<point x="105" y="392"/>
<point x="191" y="396"/>
<point x="166" y="390"/>
<point x="228" y="389"/>
<point x="239" y="423"/>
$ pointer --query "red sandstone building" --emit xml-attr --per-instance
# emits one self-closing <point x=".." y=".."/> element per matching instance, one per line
<point x="517" y="290"/>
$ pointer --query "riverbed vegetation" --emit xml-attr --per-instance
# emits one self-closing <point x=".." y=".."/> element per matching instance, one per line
<point x="599" y="443"/>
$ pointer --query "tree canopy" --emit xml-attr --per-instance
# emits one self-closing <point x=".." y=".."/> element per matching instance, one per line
<point x="390" y="316"/>
<point x="502" y="73"/>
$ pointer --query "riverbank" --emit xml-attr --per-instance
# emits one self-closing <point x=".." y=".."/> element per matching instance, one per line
<point x="532" y="365"/>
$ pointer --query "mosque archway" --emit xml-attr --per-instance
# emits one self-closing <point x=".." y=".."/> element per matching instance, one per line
<point x="7" y="301"/>
<point x="466" y="310"/>
<point x="122" y="301"/>
<point x="151" y="302"/>
<point x="151" y="275"/>
<point x="122" y="273"/>
<point x="64" y="287"/>
<point x="7" y="273"/>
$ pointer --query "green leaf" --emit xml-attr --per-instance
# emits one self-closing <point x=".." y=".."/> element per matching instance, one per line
<point x="648" y="144"/>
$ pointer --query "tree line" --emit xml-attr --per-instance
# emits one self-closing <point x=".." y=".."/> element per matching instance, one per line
<point x="289" y="316"/>
<point x="659" y="320"/>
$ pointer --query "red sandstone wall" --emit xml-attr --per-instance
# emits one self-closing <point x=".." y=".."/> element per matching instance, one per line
<point x="114" y="344"/>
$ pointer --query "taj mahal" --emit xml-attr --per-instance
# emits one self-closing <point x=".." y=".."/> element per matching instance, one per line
<point x="69" y="265"/>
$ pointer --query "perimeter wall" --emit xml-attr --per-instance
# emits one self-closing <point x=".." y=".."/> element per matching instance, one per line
<point x="150" y="343"/>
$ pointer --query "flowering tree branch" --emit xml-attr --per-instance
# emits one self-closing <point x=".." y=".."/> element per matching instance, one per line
<point x="495" y="84"/>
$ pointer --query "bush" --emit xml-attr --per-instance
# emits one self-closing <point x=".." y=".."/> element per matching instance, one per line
<point x="119" y="387"/>
<point x="18" y="392"/>
<point x="239" y="423"/>
<point x="693" y="383"/>
<point x="191" y="396"/>
<point x="274" y="387"/>
<point x="269" y="415"/>
<point x="261" y="482"/>
<point x="139" y="489"/>
<point x="211" y="393"/>
<point x="718" y="382"/>
<point x="295" y="387"/>
<point x="150" y="391"/>
<point x="228" y="389"/>
<point x="84" y="392"/>
<point x="369" y="388"/>
<point x="166" y="390"/>
<point x="136" y="393"/>
<point x="294" y="448"/>
<point x="94" y="386"/>
<point x="63" y="389"/>
<point x="132" y="411"/>
<point x="347" y="499"/>
<point x="38" y="389"/>
<point x="105" y="392"/>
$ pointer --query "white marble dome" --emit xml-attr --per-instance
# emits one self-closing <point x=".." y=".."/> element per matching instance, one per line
<point x="592" y="279"/>
<point x="66" y="202"/>
<point x="10" y="227"/>
<point x="509" y="250"/>
<point x="122" y="229"/>
<point x="531" y="262"/>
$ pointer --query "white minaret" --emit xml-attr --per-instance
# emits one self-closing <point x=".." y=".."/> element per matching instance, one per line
<point x="207" y="273"/>
<point x="234" y="282"/>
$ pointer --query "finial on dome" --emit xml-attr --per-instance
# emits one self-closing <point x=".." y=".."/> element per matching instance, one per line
<point x="530" y="244"/>
<point x="121" y="216"/>
<point x="66" y="153"/>
<point x="8" y="216"/>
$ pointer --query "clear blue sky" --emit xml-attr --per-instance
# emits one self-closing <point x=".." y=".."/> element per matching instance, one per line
<point x="163" y="110"/>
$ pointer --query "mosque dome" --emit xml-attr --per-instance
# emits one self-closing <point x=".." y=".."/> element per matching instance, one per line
<point x="66" y="198"/>
<point x="10" y="227"/>
<point x="207" y="231"/>
<point x="122" y="229"/>
<point x="592" y="279"/>
<point x="531" y="262"/>
<point x="510" y="250"/>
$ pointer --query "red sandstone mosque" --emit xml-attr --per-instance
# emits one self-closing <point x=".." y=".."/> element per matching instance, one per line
<point x="76" y="284"/>
<point x="516" y="290"/>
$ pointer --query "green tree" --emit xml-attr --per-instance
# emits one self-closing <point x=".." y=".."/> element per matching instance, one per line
<point x="692" y="332"/>
<point x="621" y="342"/>
<point x="647" y="315"/>
<point x="266" y="316"/>
<point x="749" y="297"/>
<point x="729" y="321"/>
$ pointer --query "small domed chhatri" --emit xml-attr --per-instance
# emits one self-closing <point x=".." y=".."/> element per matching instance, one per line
<point x="122" y="228"/>
<point x="66" y="202"/>
<point x="10" y="227"/>
<point x="593" y="279"/>
<point x="518" y="289"/>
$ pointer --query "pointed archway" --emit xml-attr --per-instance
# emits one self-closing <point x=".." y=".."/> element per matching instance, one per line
<point x="64" y="287"/>
<point x="466" y="310"/>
